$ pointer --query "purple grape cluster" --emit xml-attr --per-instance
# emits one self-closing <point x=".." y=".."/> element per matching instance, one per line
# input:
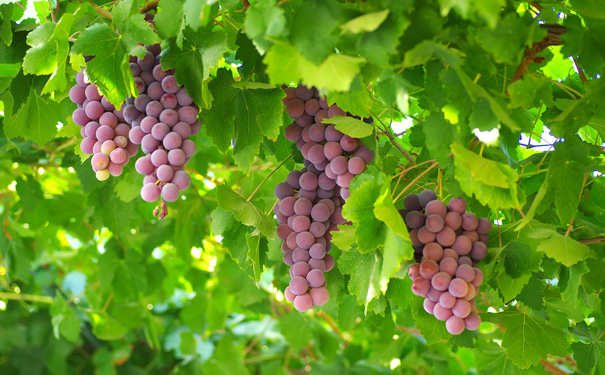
<point x="310" y="200"/>
<point x="336" y="158"/>
<point x="163" y="117"/>
<point x="448" y="242"/>
<point x="305" y="221"/>
<point x="104" y="131"/>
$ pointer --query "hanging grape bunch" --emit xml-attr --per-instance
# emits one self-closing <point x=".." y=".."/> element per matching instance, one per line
<point x="310" y="200"/>
<point x="104" y="131"/>
<point x="163" y="118"/>
<point x="448" y="242"/>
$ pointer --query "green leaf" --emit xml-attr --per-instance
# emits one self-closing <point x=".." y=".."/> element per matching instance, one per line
<point x="344" y="238"/>
<point x="201" y="52"/>
<point x="257" y="250"/>
<point x="400" y="292"/>
<point x="106" y="327"/>
<point x="36" y="119"/>
<point x="30" y="192"/>
<point x="378" y="45"/>
<point x="441" y="133"/>
<point x="111" y="71"/>
<point x="492" y="183"/>
<point x="588" y="355"/>
<point x="365" y="271"/>
<point x="517" y="257"/>
<point x="170" y="20"/>
<point x="243" y="211"/>
<point x="482" y="117"/>
<point x="563" y="249"/>
<point x="530" y="91"/>
<point x="134" y="30"/>
<point x="357" y="100"/>
<point x="589" y="8"/>
<point x="367" y="227"/>
<point x="532" y="294"/>
<point x="526" y="339"/>
<point x="295" y="329"/>
<point x="227" y="359"/>
<point x="365" y="23"/>
<point x="491" y="359"/>
<point x="422" y="52"/>
<point x="7" y="31"/>
<point x="264" y="19"/>
<point x="350" y="126"/>
<point x="244" y="114"/>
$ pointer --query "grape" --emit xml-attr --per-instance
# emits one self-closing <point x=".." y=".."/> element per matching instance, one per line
<point x="410" y="202"/>
<point x="426" y="196"/>
<point x="155" y="91"/>
<point x="441" y="313"/>
<point x="484" y="238"/>
<point x="289" y="295"/>
<point x="144" y="166"/>
<point x="329" y="260"/>
<point x="421" y="286"/>
<point x="344" y="179"/>
<point x="446" y="300"/>
<point x="453" y="220"/>
<point x="316" y="278"/>
<point x="454" y="325"/>
<point x="465" y="260"/>
<point x="478" y="280"/>
<point x="172" y="141"/>
<point x="150" y="192"/>
<point x="356" y="165"/>
<point x="283" y="230"/>
<point x="154" y="108"/>
<point x="414" y="271"/>
<point x="146" y="63"/>
<point x="472" y="235"/>
<point x="334" y="110"/>
<point x="288" y="257"/>
<point x="317" y="132"/>
<point x="118" y="155"/>
<point x="332" y="134"/>
<point x="465" y="272"/>
<point x="149" y="144"/>
<point x="181" y="179"/>
<point x="141" y="101"/>
<point x="458" y="288"/>
<point x="304" y="120"/>
<point x="308" y="181"/>
<point x="434" y="294"/>
<point x="332" y="150"/>
<point x="159" y="131"/>
<point x="303" y="206"/>
<point x="317" y="264"/>
<point x="469" y="222"/>
<point x="301" y="224"/>
<point x="448" y="265"/>
<point x="293" y="132"/>
<point x="99" y="161"/>
<point x="90" y="129"/>
<point x="428" y="268"/>
<point x="183" y="98"/>
<point x="365" y="153"/>
<point x="428" y="306"/>
<point x="320" y="212"/>
<point x="457" y="205"/>
<point x="307" y="194"/>
<point x="79" y="117"/>
<point x="339" y="165"/>
<point x="295" y="108"/>
<point x="106" y="104"/>
<point x="462" y="245"/>
<point x="433" y="251"/>
<point x="317" y="251"/>
<point x="170" y="85"/>
<point x="317" y="229"/>
<point x="484" y="226"/>
<point x="298" y="285"/>
<point x="320" y="115"/>
<point x="87" y="145"/>
<point x="92" y="93"/>
<point x="303" y="92"/>
<point x="348" y="143"/>
<point x="336" y="217"/>
<point x="441" y="280"/>
<point x="461" y="309"/>
<point x="325" y="183"/>
<point x="312" y="106"/>
<point x="77" y="94"/>
<point x="316" y="154"/>
<point x="425" y="236"/>
<point x="165" y="173"/>
<point x="303" y="302"/>
<point x="170" y="192"/>
<point x="300" y="269"/>
<point x="305" y="240"/>
<point x="472" y="292"/>
<point x="177" y="157"/>
<point x="434" y="222"/>
<point x="435" y="207"/>
<point x="188" y="147"/>
<point x="108" y="118"/>
<point x="446" y="237"/>
<point x="472" y="322"/>
<point x="414" y="219"/>
<point x="102" y="175"/>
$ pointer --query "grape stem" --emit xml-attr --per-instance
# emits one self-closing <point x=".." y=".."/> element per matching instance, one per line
<point x="101" y="11"/>
<point x="588" y="241"/>
<point x="389" y="133"/>
<point x="150" y="6"/>
<point x="415" y="180"/>
<point x="27" y="297"/>
<point x="269" y="175"/>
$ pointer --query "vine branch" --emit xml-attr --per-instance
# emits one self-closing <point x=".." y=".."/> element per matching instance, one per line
<point x="269" y="175"/>
<point x="27" y="297"/>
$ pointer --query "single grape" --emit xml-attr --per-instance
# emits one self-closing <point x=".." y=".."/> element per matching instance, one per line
<point x="441" y="280"/>
<point x="316" y="154"/>
<point x="462" y="245"/>
<point x="320" y="212"/>
<point x="434" y="222"/>
<point x="472" y="235"/>
<point x="316" y="278"/>
<point x="349" y="144"/>
<point x="472" y="292"/>
<point x="454" y="325"/>
<point x="356" y="165"/>
<point x="433" y="251"/>
<point x="317" y="132"/>
<point x="102" y="175"/>
<point x="434" y="294"/>
<point x="320" y="116"/>
<point x="318" y="264"/>
<point x="320" y="296"/>
<point x="295" y="108"/>
<point x="177" y="157"/>
<point x="421" y="286"/>
<point x="426" y="196"/>
<point x="441" y="313"/>
<point x="426" y="236"/>
<point x="293" y="132"/>
<point x="149" y="144"/>
<point x="305" y="240"/>
<point x="183" y="98"/>
<point x="458" y="288"/>
<point x="301" y="224"/>
<point x="312" y="106"/>
<point x="159" y="131"/>
<point x="188" y="147"/>
<point x="446" y="237"/>
<point x="469" y="221"/>
<point x="446" y="300"/>
<point x="478" y="280"/>
<point x="99" y="162"/>
<point x="303" y="302"/>
<point x="308" y="181"/>
<point x="414" y="271"/>
<point x="118" y="156"/>
<point x="330" y="262"/>
<point x="77" y="94"/>
<point x="298" y="285"/>
<point x="303" y="206"/>
<point x="428" y="268"/>
<point x="169" y="84"/>
<point x="334" y="110"/>
<point x="289" y="295"/>
<point x="288" y="257"/>
<point x="80" y="118"/>
<point x="344" y="179"/>
<point x="484" y="226"/>
<point x="448" y="265"/>
<point x="92" y="93"/>
<point x="87" y="145"/>
<point x="435" y="207"/>
<point x="461" y="308"/>
<point x="150" y="192"/>
<point x="165" y="173"/>
<point x="465" y="272"/>
<point x="453" y="220"/>
<point x="449" y="253"/>
<point x="303" y="92"/>
<point x="428" y="306"/>
<point x="414" y="219"/>
<point x="465" y="260"/>
<point x="170" y="192"/>
<point x="300" y="269"/>
<point x="457" y="205"/>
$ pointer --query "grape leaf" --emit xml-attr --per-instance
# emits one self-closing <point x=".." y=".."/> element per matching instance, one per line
<point x="433" y="330"/>
<point x="530" y="91"/>
<point x="48" y="55"/>
<point x="36" y="119"/>
<point x="589" y="8"/>
<point x="227" y="359"/>
<point x="350" y="126"/>
<point x="295" y="329"/>
<point x="257" y="253"/>
<point x="264" y="20"/>
<point x="357" y="100"/>
<point x="367" y="227"/>
<point x="492" y="183"/>
<point x="400" y="292"/>
<point x="170" y="20"/>
<point x="491" y="359"/>
<point x="133" y="28"/>
<point x="588" y="355"/>
<point x="30" y="192"/>
<point x="201" y="52"/>
<point x="344" y="238"/>
<point x="365" y="23"/>
<point x="365" y="270"/>
<point x="526" y="339"/>
<point x="7" y="32"/>
<point x="376" y="46"/>
<point x="482" y="117"/>
<point x="563" y="249"/>
<point x="423" y="51"/>
<point x="106" y="327"/>
<point x="441" y="133"/>
<point x="532" y="294"/>
<point x="243" y="211"/>
<point x="517" y="257"/>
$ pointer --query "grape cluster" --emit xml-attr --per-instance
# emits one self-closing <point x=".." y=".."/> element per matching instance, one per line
<point x="104" y="133"/>
<point x="163" y="118"/>
<point x="447" y="241"/>
<point x="310" y="200"/>
<point x="304" y="224"/>
<point x="335" y="157"/>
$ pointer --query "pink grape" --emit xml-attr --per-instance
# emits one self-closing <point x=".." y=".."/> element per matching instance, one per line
<point x="183" y="98"/>
<point x="434" y="294"/>
<point x="435" y="207"/>
<point x="289" y="295"/>
<point x="288" y="257"/>
<point x="440" y="281"/>
<point x="465" y="260"/>
<point x="301" y="224"/>
<point x="448" y="265"/>
<point x="303" y="92"/>
<point x="303" y="206"/>
<point x="425" y="236"/>
<point x="484" y="226"/>
<point x="177" y="157"/>
<point x="414" y="271"/>
<point x="449" y="253"/>
<point x="115" y="169"/>
<point x="317" y="132"/>
<point x="300" y="269"/>
<point x="317" y="251"/>
<point x="465" y="272"/>
<point x="149" y="144"/>
<point x="329" y="260"/>
<point x="118" y="156"/>
<point x="87" y="145"/>
<point x="458" y="288"/>
<point x="308" y="181"/>
<point x="170" y="192"/>
<point x="92" y="93"/>
<point x="434" y="222"/>
<point x="316" y="278"/>
<point x="303" y="302"/>
<point x="453" y="220"/>
<point x="446" y="237"/>
<point x="461" y="309"/>
<point x="426" y="196"/>
<point x="80" y="118"/>
<point x="159" y="157"/>
<point x="181" y="179"/>
<point x="454" y="325"/>
<point x="77" y="94"/>
<point x="91" y="129"/>
<point x="312" y="106"/>
<point x="305" y="240"/>
<point x="469" y="222"/>
<point x="472" y="292"/>
<point x="320" y="296"/>
<point x="428" y="306"/>
<point x="188" y="147"/>
<point x="462" y="245"/>
<point x="144" y="166"/>
<point x="348" y="143"/>
<point x="283" y="230"/>
<point x="344" y="179"/>
<point x="421" y="286"/>
<point x="165" y="173"/>
<point x="441" y="313"/>
<point x="457" y="205"/>
<point x="99" y="161"/>
<point x="170" y="85"/>
<point x="478" y="250"/>
<point x="320" y="212"/>
<point x="159" y="131"/>
<point x="478" y="280"/>
<point x="356" y="165"/>
<point x="334" y="110"/>
<point x="172" y="141"/>
<point x="472" y="322"/>
<point x="298" y="285"/>
<point x="295" y="108"/>
<point x="150" y="192"/>
<point x="169" y="116"/>
<point x="317" y="264"/>
<point x="446" y="300"/>
<point x="428" y="268"/>
<point x="472" y="235"/>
